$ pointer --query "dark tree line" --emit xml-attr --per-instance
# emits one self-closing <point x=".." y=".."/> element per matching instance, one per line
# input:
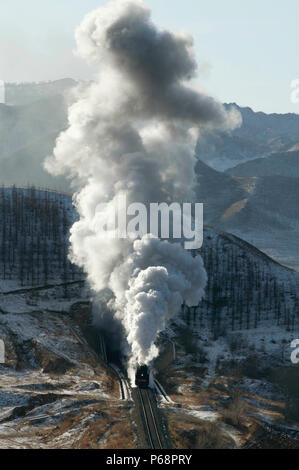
<point x="34" y="232"/>
<point x="245" y="289"/>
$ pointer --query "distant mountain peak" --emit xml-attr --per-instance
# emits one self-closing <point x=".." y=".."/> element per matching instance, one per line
<point x="259" y="135"/>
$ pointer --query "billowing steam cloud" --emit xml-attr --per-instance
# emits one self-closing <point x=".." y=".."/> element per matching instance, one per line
<point x="133" y="132"/>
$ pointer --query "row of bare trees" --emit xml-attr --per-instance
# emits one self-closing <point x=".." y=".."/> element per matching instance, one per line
<point x="34" y="228"/>
<point x="244" y="291"/>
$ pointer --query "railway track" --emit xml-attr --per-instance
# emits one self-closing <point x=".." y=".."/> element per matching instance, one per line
<point x="151" y="425"/>
<point x="124" y="387"/>
<point x="142" y="396"/>
<point x="160" y="390"/>
<point x="102" y="348"/>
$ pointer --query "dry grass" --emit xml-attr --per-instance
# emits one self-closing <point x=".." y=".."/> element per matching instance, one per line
<point x="121" y="436"/>
<point x="110" y="383"/>
<point x="191" y="433"/>
<point x="102" y="424"/>
<point x="110" y="428"/>
<point x="239" y="413"/>
<point x="211" y="437"/>
<point x="237" y="408"/>
<point x="113" y="431"/>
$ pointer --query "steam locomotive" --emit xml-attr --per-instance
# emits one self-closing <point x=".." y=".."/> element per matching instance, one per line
<point x="142" y="377"/>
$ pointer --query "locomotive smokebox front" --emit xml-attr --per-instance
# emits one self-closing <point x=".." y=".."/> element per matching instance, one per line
<point x="142" y="377"/>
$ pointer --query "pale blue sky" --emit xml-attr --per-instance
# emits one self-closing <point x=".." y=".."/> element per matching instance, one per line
<point x="248" y="51"/>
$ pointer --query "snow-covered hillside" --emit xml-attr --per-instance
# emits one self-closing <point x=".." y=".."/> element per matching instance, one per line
<point x="220" y="382"/>
<point x="55" y="392"/>
<point x="245" y="286"/>
<point x="34" y="238"/>
<point x="246" y="289"/>
<point x="231" y="382"/>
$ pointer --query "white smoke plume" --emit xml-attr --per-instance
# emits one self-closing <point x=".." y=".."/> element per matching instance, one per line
<point x="133" y="132"/>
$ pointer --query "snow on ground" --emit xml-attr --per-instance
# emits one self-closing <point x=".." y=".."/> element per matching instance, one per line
<point x="52" y="299"/>
<point x="281" y="246"/>
<point x="54" y="390"/>
<point x="203" y="413"/>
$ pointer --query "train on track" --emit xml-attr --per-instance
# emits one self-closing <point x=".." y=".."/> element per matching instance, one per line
<point x="142" y="377"/>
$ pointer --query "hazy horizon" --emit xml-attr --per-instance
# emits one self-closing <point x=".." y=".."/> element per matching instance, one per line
<point x="246" y="52"/>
